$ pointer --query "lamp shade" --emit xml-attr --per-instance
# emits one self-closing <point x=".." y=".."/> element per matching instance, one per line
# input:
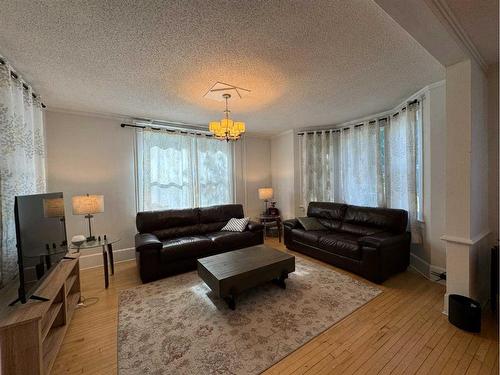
<point x="87" y="204"/>
<point x="265" y="193"/>
<point x="53" y="207"/>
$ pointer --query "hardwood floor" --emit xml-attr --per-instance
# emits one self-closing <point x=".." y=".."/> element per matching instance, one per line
<point x="402" y="331"/>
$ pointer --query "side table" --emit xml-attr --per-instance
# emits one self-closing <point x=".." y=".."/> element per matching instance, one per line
<point x="107" y="252"/>
<point x="271" y="221"/>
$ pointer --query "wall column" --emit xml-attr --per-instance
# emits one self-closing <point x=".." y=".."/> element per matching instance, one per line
<point x="466" y="235"/>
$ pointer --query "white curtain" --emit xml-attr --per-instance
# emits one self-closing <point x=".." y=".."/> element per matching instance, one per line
<point x="377" y="163"/>
<point x="22" y="159"/>
<point x="317" y="151"/>
<point x="360" y="166"/>
<point x="342" y="166"/>
<point x="178" y="170"/>
<point x="401" y="164"/>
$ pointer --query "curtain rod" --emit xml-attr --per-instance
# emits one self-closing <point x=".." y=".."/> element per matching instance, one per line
<point x="164" y="128"/>
<point x="385" y="118"/>
<point x="15" y="76"/>
<point x="345" y="128"/>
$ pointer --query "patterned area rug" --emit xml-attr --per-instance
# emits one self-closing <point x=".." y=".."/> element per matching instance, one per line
<point x="177" y="326"/>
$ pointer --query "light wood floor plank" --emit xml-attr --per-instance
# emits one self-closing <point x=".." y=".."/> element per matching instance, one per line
<point x="402" y="330"/>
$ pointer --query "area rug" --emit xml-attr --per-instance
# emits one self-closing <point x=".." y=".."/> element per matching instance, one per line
<point x="177" y="326"/>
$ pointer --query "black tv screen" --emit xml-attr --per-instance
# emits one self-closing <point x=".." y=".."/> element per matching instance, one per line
<point x="41" y="238"/>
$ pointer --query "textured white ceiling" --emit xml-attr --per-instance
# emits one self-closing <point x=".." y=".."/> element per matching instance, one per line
<point x="479" y="18"/>
<point x="307" y="63"/>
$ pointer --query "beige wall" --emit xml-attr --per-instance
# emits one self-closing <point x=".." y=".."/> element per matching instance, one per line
<point x="437" y="162"/>
<point x="479" y="153"/>
<point x="493" y="151"/>
<point x="93" y="154"/>
<point x="283" y="173"/>
<point x="432" y="252"/>
<point x="458" y="113"/>
<point x="255" y="172"/>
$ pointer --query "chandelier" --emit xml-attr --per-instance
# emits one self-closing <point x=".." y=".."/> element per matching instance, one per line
<point x="227" y="129"/>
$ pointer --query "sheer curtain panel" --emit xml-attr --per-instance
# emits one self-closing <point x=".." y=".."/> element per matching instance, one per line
<point x="377" y="163"/>
<point x="22" y="159"/>
<point x="177" y="170"/>
<point x="401" y="164"/>
<point x="360" y="166"/>
<point x="342" y="166"/>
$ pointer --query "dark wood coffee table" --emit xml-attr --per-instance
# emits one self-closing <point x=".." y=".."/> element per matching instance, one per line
<point x="230" y="273"/>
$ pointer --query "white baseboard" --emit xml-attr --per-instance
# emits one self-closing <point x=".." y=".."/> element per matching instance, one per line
<point x="420" y="265"/>
<point x="425" y="269"/>
<point x="95" y="260"/>
<point x="435" y="269"/>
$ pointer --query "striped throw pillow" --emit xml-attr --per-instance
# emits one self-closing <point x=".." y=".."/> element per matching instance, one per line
<point x="236" y="225"/>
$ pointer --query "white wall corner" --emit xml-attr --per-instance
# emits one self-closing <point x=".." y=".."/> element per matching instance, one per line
<point x="286" y="132"/>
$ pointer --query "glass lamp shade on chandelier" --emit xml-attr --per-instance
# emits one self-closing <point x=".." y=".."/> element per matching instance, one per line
<point x="227" y="129"/>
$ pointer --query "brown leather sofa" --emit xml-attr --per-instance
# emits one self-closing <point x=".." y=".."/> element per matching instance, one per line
<point x="371" y="242"/>
<point x="170" y="241"/>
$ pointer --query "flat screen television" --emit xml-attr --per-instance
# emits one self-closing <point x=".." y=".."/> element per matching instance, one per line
<point x="41" y="239"/>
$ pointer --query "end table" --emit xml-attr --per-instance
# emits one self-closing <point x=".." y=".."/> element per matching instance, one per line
<point x="107" y="252"/>
<point x="271" y="221"/>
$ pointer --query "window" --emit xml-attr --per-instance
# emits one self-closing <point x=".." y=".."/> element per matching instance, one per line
<point x="176" y="170"/>
<point x="375" y="163"/>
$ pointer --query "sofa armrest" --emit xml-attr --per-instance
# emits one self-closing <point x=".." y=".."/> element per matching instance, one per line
<point x="146" y="242"/>
<point x="291" y="224"/>
<point x="254" y="226"/>
<point x="384" y="239"/>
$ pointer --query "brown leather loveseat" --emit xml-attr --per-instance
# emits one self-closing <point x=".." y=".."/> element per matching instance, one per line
<point x="170" y="241"/>
<point x="371" y="242"/>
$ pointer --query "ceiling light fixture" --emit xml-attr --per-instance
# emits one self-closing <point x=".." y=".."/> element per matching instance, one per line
<point x="227" y="129"/>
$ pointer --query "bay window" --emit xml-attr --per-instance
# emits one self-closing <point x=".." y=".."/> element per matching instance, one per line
<point x="373" y="163"/>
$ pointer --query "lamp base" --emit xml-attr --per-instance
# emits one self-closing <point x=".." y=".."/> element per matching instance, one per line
<point x="90" y="237"/>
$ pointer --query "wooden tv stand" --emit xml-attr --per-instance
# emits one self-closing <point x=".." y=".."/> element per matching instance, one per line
<point x="32" y="333"/>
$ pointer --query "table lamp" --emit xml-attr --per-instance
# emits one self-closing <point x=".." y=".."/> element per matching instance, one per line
<point x="265" y="194"/>
<point x="88" y="205"/>
<point x="53" y="208"/>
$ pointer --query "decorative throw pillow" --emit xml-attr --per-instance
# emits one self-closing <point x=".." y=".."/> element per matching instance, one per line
<point x="236" y="225"/>
<point x="311" y="223"/>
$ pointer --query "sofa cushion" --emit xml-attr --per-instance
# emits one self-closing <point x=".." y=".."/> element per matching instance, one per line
<point x="222" y="213"/>
<point x="308" y="237"/>
<point x="360" y="230"/>
<point x="212" y="227"/>
<point x="236" y="225"/>
<point x="329" y="214"/>
<point x="185" y="247"/>
<point x="150" y="221"/>
<point x="176" y="232"/>
<point x="231" y="240"/>
<point x="388" y="219"/>
<point x="213" y="219"/>
<point x="344" y="244"/>
<point x="311" y="223"/>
